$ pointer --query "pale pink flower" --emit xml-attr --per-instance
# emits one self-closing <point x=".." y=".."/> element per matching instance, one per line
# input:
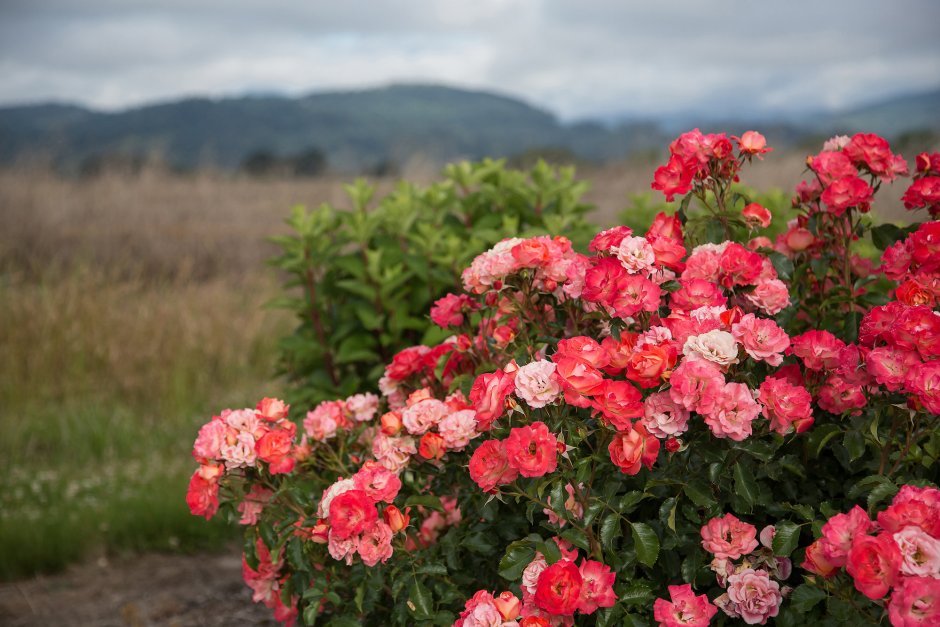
<point x="424" y="415"/>
<point x="636" y="255"/>
<point x="733" y="413"/>
<point x="530" y="576"/>
<point x="322" y="422"/>
<point x="920" y="552"/>
<point x="362" y="406"/>
<point x="209" y="442"/>
<point x="537" y="383"/>
<point x="253" y="504"/>
<point x="762" y="338"/>
<point x="375" y="544"/>
<point x="663" y="417"/>
<point x="717" y="346"/>
<point x="756" y="597"/>
<point x="343" y="550"/>
<point x="836" y="143"/>
<point x="393" y="452"/>
<point x="245" y="420"/>
<point x="653" y="336"/>
<point x="239" y="453"/>
<point x="769" y="296"/>
<point x="458" y="429"/>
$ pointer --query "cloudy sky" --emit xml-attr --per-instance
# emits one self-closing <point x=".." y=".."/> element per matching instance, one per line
<point x="578" y="58"/>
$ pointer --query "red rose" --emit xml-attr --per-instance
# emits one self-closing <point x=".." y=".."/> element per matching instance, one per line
<point x="351" y="513"/>
<point x="202" y="497"/>
<point x="874" y="563"/>
<point x="674" y="178"/>
<point x="559" y="589"/>
<point x="532" y="450"/>
<point x="489" y="466"/>
<point x="275" y="448"/>
<point x="634" y="449"/>
<point x="618" y="402"/>
<point x="488" y="396"/>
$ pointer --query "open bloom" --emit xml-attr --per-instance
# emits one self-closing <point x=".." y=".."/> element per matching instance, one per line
<point x="532" y="450"/>
<point x="684" y="609"/>
<point x="537" y="384"/>
<point x="728" y="538"/>
<point x="755" y="596"/>
<point x="558" y="590"/>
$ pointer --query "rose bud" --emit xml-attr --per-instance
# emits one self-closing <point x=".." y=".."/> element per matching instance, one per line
<point x="320" y="533"/>
<point x="395" y="519"/>
<point x="391" y="423"/>
<point x="673" y="444"/>
<point x="508" y="605"/>
<point x="432" y="446"/>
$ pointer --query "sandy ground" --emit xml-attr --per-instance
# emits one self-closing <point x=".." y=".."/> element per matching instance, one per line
<point x="171" y="590"/>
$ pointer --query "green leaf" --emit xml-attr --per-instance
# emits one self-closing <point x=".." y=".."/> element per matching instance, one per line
<point x="420" y="601"/>
<point x="854" y="443"/>
<point x="550" y="550"/>
<point x="610" y="531"/>
<point x="646" y="543"/>
<point x="577" y="538"/>
<point x="881" y="492"/>
<point x="745" y="485"/>
<point x="630" y="500"/>
<point x="819" y="436"/>
<point x="699" y="493"/>
<point x="885" y="235"/>
<point x="517" y="557"/>
<point x="432" y="569"/>
<point x="786" y="538"/>
<point x="426" y="500"/>
<point x="638" y="593"/>
<point x="804" y="597"/>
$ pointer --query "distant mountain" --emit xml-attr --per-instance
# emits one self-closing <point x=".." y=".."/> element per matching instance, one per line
<point x="366" y="129"/>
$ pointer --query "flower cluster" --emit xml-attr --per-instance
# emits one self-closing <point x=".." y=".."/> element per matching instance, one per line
<point x="898" y="553"/>
<point x="753" y="590"/>
<point x="924" y="192"/>
<point x="240" y="439"/>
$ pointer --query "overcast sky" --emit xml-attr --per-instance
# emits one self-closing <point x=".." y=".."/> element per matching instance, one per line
<point x="577" y="58"/>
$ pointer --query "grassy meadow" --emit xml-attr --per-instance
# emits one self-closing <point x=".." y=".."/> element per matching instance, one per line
<point x="132" y="309"/>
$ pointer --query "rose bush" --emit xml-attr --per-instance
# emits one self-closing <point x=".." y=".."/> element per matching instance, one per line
<point x="654" y="430"/>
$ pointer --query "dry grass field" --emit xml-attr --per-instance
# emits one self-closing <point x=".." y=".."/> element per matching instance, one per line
<point x="131" y="309"/>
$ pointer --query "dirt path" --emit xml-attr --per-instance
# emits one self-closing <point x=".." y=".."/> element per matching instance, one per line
<point x="172" y="590"/>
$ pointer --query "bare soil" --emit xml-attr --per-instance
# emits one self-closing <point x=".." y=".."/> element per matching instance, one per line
<point x="150" y="590"/>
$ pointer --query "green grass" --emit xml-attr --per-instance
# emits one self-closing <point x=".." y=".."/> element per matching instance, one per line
<point x="103" y="386"/>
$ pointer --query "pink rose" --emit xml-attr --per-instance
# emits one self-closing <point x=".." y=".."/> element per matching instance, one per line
<point x="770" y="296"/>
<point x="733" y="413"/>
<point x="458" y="429"/>
<point x="663" y="417"/>
<point x="920" y="552"/>
<point x="728" y="538"/>
<point x="696" y="385"/>
<point x="378" y="482"/>
<point x="684" y="609"/>
<point x="537" y="384"/>
<point x="597" y="587"/>
<point x="915" y="602"/>
<point x="755" y="596"/>
<point x="762" y="339"/>
<point x="375" y="544"/>
<point x="840" y="532"/>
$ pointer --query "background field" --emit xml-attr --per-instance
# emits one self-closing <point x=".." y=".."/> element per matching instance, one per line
<point x="131" y="309"/>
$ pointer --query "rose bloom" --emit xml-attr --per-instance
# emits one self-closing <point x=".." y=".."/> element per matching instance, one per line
<point x="609" y="240"/>
<point x="753" y="143"/>
<point x="889" y="365"/>
<point x="840" y="533"/>
<point x="458" y="429"/>
<point x="489" y="466"/>
<point x="831" y="165"/>
<point x="381" y="484"/>
<point x="818" y="350"/>
<point x="343" y="549"/>
<point x="923" y="381"/>
<point x="635" y="294"/>
<point x="846" y="192"/>
<point x="321" y="423"/>
<point x="488" y="395"/>
<point x="920" y="552"/>
<point x="816" y="561"/>
<point x="650" y="364"/>
<point x="770" y="296"/>
<point x="631" y="450"/>
<point x="375" y="545"/>
<point x="272" y="409"/>
<point x="537" y="384"/>
<point x="695" y="293"/>
<point x="733" y="413"/>
<point x="696" y="385"/>
<point x="915" y="602"/>
<point x="874" y="562"/>
<point x="202" y="495"/>
<point x="253" y="504"/>
<point x="668" y="226"/>
<point x="597" y="587"/>
<point x="756" y="597"/>
<point x="275" y="448"/>
<point x="684" y="609"/>
<point x="212" y="436"/>
<point x="618" y="402"/>
<point x="838" y="396"/>
<point x="728" y="538"/>
<point x="362" y="406"/>
<point x="673" y="178"/>
<point x="531" y="574"/>
<point x="717" y="346"/>
<point x="911" y="513"/>
<point x="756" y="215"/>
<point x="762" y="338"/>
<point x="532" y="450"/>
<point x="663" y="417"/>
<point x="393" y="452"/>
<point x="636" y="255"/>
<point x="558" y="590"/>
<point x="424" y="415"/>
<point x="669" y="253"/>
<point x="351" y="513"/>
<point x="578" y="376"/>
<point x="786" y="405"/>
<point x="449" y="310"/>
